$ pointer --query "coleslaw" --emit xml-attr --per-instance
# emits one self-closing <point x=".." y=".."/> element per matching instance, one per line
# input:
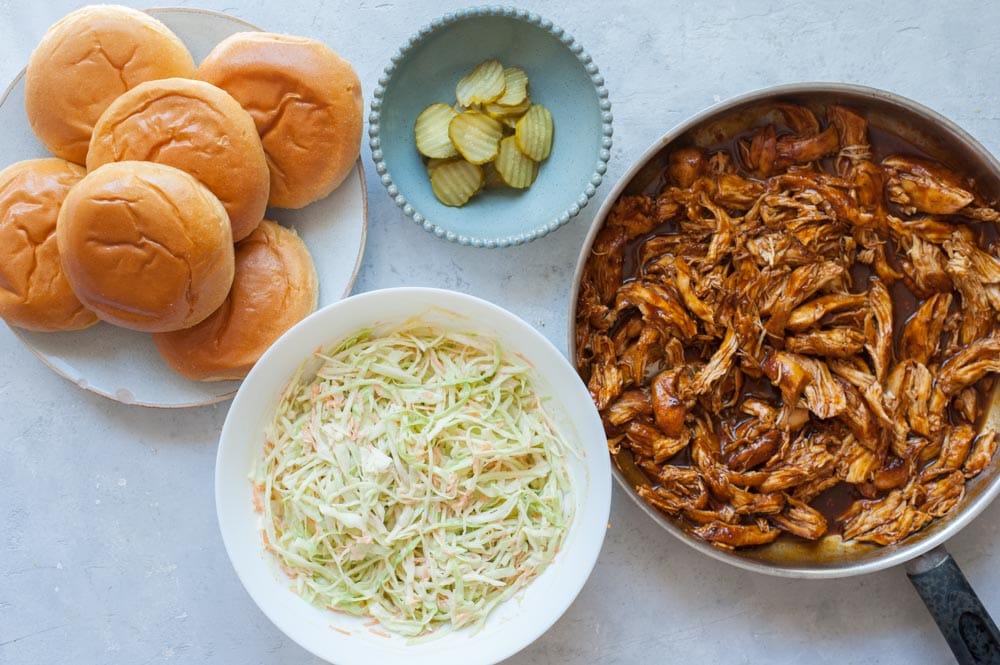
<point x="416" y="478"/>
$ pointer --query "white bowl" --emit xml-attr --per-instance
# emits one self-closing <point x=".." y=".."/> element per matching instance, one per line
<point x="514" y="624"/>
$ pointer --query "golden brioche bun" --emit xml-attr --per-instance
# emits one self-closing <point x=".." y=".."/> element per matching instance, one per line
<point x="84" y="62"/>
<point x="306" y="102"/>
<point x="34" y="291"/>
<point x="275" y="287"/>
<point x="196" y="127"/>
<point x="146" y="246"/>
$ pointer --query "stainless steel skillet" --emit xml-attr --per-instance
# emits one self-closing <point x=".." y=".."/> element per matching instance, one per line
<point x="965" y="623"/>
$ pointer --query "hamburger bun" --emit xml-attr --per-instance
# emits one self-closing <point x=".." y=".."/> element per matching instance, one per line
<point x="146" y="246"/>
<point x="34" y="291"/>
<point x="193" y="126"/>
<point x="275" y="287"/>
<point x="306" y="102"/>
<point x="84" y="62"/>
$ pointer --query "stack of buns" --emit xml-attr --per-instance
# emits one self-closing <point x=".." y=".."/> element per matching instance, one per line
<point x="151" y="215"/>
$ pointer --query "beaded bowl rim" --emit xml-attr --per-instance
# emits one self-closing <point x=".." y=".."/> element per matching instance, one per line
<point x="417" y="38"/>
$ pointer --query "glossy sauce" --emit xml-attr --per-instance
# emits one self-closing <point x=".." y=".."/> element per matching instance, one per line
<point x="834" y="501"/>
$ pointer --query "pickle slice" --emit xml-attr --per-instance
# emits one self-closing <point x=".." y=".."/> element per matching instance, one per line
<point x="534" y="133"/>
<point x="499" y="111"/>
<point x="476" y="136"/>
<point x="509" y="121"/>
<point x="515" y="87"/>
<point x="431" y="131"/>
<point x="455" y="182"/>
<point x="433" y="163"/>
<point x="492" y="137"/>
<point x="483" y="84"/>
<point x="517" y="169"/>
<point x="491" y="179"/>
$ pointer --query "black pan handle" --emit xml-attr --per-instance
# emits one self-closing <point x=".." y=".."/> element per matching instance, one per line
<point x="965" y="623"/>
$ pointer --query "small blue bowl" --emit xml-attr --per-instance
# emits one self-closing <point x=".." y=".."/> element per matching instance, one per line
<point x="562" y="77"/>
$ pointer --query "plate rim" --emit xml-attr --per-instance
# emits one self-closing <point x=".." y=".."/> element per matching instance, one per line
<point x="79" y="381"/>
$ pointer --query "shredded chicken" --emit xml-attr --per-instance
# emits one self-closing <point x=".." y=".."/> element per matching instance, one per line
<point x="797" y="316"/>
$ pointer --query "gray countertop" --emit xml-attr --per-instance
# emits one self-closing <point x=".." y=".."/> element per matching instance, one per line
<point x="109" y="549"/>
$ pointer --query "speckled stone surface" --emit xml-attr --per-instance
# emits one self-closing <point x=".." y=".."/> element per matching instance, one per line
<point x="109" y="550"/>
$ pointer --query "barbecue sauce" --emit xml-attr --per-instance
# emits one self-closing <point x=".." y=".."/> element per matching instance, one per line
<point x="834" y="501"/>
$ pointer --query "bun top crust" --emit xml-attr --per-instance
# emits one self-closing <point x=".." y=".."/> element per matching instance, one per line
<point x="307" y="105"/>
<point x="85" y="61"/>
<point x="196" y="127"/>
<point x="274" y="288"/>
<point x="34" y="291"/>
<point x="146" y="246"/>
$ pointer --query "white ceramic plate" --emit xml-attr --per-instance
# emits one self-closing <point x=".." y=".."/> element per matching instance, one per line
<point x="123" y="364"/>
<point x="514" y="624"/>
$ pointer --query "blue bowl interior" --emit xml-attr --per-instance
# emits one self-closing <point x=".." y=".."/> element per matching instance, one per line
<point x="557" y="80"/>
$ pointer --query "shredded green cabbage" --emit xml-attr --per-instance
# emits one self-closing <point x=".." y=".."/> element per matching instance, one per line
<point x="417" y="479"/>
